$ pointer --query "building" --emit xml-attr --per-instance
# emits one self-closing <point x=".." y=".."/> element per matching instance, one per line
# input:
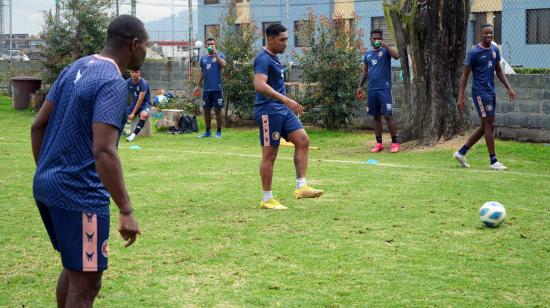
<point x="521" y="26"/>
<point x="25" y="43"/>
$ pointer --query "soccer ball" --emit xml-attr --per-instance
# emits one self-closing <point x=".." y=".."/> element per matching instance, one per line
<point x="492" y="214"/>
<point x="160" y="100"/>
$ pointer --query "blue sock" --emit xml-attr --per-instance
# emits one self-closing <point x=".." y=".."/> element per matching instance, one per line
<point x="493" y="158"/>
<point x="463" y="150"/>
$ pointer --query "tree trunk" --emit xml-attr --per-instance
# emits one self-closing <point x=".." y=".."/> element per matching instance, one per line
<point x="431" y="39"/>
<point x="170" y="117"/>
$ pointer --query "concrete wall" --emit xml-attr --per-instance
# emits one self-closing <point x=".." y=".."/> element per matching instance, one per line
<point x="166" y="75"/>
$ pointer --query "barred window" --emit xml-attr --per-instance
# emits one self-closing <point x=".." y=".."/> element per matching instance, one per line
<point x="538" y="31"/>
<point x="211" y="1"/>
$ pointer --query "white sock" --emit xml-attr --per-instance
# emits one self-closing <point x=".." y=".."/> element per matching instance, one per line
<point x="301" y="182"/>
<point x="268" y="195"/>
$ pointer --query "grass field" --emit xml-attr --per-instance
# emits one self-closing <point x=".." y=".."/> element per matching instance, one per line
<point x="404" y="232"/>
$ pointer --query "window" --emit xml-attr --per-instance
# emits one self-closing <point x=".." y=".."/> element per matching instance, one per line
<point x="300" y="40"/>
<point x="211" y="1"/>
<point x="497" y="23"/>
<point x="211" y="31"/>
<point x="380" y="23"/>
<point x="538" y="31"/>
<point x="264" y="27"/>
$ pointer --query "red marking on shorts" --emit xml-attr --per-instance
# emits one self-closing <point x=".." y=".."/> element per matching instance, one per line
<point x="481" y="107"/>
<point x="89" y="242"/>
<point x="265" y="120"/>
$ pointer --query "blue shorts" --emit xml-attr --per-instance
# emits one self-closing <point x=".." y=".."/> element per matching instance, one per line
<point x="380" y="102"/>
<point x="276" y="125"/>
<point x="81" y="238"/>
<point x="212" y="99"/>
<point x="146" y="108"/>
<point x="485" y="105"/>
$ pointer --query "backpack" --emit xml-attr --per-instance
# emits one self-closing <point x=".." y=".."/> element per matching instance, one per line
<point x="188" y="124"/>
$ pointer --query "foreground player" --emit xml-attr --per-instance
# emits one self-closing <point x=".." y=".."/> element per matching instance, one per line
<point x="377" y="70"/>
<point x="483" y="60"/>
<point x="74" y="143"/>
<point x="141" y="101"/>
<point x="275" y="114"/>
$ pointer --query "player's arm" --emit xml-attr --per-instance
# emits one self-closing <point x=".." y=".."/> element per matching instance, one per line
<point x="38" y="128"/>
<point x="141" y="97"/>
<point x="196" y="91"/>
<point x="391" y="51"/>
<point x="462" y="86"/>
<point x="363" y="80"/>
<point x="261" y="86"/>
<point x="107" y="161"/>
<point x="502" y="77"/>
<point x="220" y="60"/>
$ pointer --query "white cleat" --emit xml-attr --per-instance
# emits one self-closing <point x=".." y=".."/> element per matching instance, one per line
<point x="131" y="137"/>
<point x="461" y="160"/>
<point x="498" y="166"/>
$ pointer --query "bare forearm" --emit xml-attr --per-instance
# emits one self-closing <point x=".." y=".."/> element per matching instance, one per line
<point x="393" y="53"/>
<point x="363" y="80"/>
<point x="37" y="135"/>
<point x="221" y="61"/>
<point x="268" y="91"/>
<point x="110" y="172"/>
<point x="138" y="104"/>
<point x="504" y="80"/>
<point x="201" y="78"/>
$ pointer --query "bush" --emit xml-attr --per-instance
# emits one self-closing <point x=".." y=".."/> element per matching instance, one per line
<point x="238" y="45"/>
<point x="530" y="70"/>
<point x="332" y="66"/>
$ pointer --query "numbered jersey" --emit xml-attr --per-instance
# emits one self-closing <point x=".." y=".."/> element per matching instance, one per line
<point x="212" y="71"/>
<point x="378" y="62"/>
<point x="483" y="62"/>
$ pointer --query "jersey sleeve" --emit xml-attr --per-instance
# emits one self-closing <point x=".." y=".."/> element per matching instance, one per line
<point x="110" y="103"/>
<point x="469" y="61"/>
<point x="261" y="65"/>
<point x="143" y="86"/>
<point x="222" y="56"/>
<point x="57" y="87"/>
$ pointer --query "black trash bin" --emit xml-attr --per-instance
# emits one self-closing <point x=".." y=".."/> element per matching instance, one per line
<point x="22" y="87"/>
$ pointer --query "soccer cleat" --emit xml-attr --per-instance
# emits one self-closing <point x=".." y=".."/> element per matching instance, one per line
<point x="377" y="148"/>
<point x="394" y="147"/>
<point x="461" y="159"/>
<point x="272" y="204"/>
<point x="219" y="135"/>
<point x="307" y="192"/>
<point x="498" y="166"/>
<point x="131" y="137"/>
<point x="205" y="135"/>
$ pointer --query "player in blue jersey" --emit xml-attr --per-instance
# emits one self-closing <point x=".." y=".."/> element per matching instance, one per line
<point x="276" y="115"/>
<point x="483" y="61"/>
<point x="141" y="101"/>
<point x="211" y="73"/>
<point x="74" y="143"/>
<point x="377" y="70"/>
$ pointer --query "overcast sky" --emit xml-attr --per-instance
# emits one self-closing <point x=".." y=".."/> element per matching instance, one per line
<point x="28" y="14"/>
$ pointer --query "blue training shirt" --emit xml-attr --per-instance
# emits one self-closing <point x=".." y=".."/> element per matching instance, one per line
<point x="268" y="64"/>
<point x="136" y="88"/>
<point x="483" y="62"/>
<point x="90" y="90"/>
<point x="379" y="66"/>
<point x="212" y="73"/>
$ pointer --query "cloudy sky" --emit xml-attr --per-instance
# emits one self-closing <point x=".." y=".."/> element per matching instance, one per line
<point x="28" y="14"/>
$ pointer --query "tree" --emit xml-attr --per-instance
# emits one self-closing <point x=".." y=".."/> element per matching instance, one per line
<point x="80" y="31"/>
<point x="332" y="62"/>
<point x="237" y="42"/>
<point x="431" y="39"/>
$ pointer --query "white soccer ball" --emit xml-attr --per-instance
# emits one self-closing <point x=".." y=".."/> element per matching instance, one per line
<point x="161" y="100"/>
<point x="492" y="214"/>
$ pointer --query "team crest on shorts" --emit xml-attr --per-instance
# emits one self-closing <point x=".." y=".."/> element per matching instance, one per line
<point x="276" y="136"/>
<point x="388" y="106"/>
<point x="105" y="248"/>
<point x="489" y="108"/>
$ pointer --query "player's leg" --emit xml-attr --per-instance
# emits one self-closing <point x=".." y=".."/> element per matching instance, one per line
<point x="218" y="111"/>
<point x="295" y="132"/>
<point x="374" y="109"/>
<point x="270" y="127"/>
<point x="460" y="155"/>
<point x="62" y="288"/>
<point x="83" y="288"/>
<point x="143" y="115"/>
<point x="490" y="142"/>
<point x="208" y="104"/>
<point x="386" y="97"/>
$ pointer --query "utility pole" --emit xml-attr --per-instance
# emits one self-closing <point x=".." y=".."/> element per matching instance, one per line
<point x="287" y="24"/>
<point x="2" y="26"/>
<point x="11" y="25"/>
<point x="117" y="12"/>
<point x="133" y="9"/>
<point x="190" y="47"/>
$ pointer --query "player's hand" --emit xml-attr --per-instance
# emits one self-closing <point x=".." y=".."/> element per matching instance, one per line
<point x="196" y="92"/>
<point x="128" y="228"/>
<point x="360" y="94"/>
<point x="460" y="103"/>
<point x="512" y="95"/>
<point x="383" y="44"/>
<point x="294" y="106"/>
<point x="131" y="116"/>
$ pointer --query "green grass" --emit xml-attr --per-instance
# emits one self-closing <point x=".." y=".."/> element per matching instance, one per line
<point x="405" y="232"/>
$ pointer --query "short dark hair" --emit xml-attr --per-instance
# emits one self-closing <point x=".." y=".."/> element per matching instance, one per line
<point x="274" y="30"/>
<point x="123" y="29"/>
<point x="379" y="31"/>
<point x="210" y="39"/>
<point x="486" y="25"/>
